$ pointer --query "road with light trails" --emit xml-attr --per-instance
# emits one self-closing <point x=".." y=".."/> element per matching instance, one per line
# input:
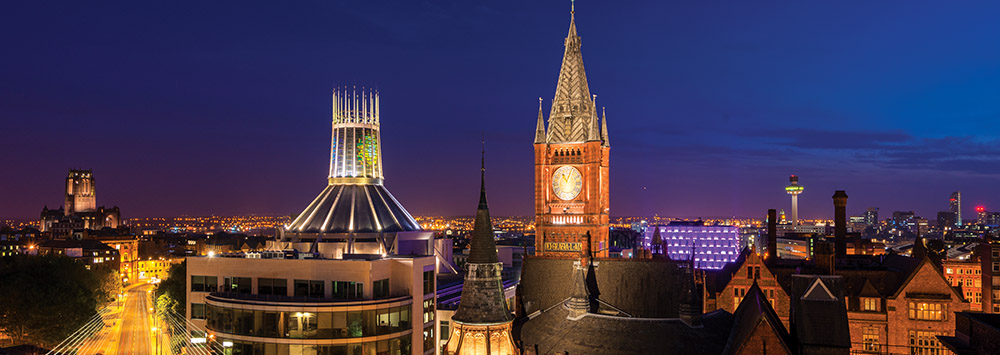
<point x="136" y="335"/>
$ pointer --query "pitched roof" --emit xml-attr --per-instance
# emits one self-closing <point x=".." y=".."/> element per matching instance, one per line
<point x="754" y="311"/>
<point x="818" y="313"/>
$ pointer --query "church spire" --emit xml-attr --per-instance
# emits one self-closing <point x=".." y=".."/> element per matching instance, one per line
<point x="482" y="247"/>
<point x="573" y="111"/>
<point x="540" y="127"/>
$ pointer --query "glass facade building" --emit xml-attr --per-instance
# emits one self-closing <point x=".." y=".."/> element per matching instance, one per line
<point x="713" y="246"/>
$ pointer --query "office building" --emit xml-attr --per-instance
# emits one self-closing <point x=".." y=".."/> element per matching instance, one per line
<point x="713" y="246"/>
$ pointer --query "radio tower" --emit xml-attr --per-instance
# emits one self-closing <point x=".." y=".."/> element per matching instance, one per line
<point x="794" y="189"/>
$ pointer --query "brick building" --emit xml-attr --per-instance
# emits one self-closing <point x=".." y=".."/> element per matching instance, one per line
<point x="967" y="277"/>
<point x="727" y="289"/>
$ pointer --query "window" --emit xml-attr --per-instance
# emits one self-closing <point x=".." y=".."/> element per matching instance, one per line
<point x="870" y="304"/>
<point x="871" y="339"/>
<point x="277" y="287"/>
<point x="925" y="343"/>
<point x="197" y="311"/>
<point x="428" y="282"/>
<point x="429" y="310"/>
<point x="738" y="294"/>
<point x="238" y="285"/>
<point x="348" y="290"/>
<point x="380" y="289"/>
<point x="445" y="332"/>
<point x="756" y="272"/>
<point x="749" y="272"/>
<point x="309" y="288"/>
<point x="928" y="311"/>
<point x="429" y="337"/>
<point x="204" y="283"/>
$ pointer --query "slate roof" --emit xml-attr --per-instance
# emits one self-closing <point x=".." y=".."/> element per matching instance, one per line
<point x="595" y="334"/>
<point x="818" y="313"/>
<point x="754" y="311"/>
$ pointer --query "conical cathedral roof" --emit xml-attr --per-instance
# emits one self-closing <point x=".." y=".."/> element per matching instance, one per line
<point x="483" y="249"/>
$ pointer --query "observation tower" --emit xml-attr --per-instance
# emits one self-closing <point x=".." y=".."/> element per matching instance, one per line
<point x="794" y="189"/>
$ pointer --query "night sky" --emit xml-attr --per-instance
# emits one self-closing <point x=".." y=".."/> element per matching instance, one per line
<point x="223" y="107"/>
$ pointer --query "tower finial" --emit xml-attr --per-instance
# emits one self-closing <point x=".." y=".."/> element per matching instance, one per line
<point x="482" y="177"/>
<point x="572" y="6"/>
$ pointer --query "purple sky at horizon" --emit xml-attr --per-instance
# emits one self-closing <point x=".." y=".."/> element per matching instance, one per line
<point x="193" y="108"/>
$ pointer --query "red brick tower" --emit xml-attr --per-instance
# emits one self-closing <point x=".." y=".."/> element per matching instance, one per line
<point x="571" y="164"/>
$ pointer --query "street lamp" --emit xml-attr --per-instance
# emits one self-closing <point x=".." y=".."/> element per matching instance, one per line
<point x="156" y="342"/>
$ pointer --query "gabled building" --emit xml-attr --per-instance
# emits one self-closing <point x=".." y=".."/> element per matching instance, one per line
<point x="757" y="328"/>
<point x="725" y="289"/>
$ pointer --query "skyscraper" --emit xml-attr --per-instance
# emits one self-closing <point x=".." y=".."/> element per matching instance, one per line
<point x="794" y="189"/>
<point x="955" y="206"/>
<point x="571" y="164"/>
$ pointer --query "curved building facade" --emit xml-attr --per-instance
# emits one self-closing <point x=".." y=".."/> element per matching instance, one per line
<point x="352" y="274"/>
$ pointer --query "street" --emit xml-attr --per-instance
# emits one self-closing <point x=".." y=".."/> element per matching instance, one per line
<point x="136" y="334"/>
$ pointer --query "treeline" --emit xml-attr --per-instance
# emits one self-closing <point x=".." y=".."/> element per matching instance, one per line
<point x="43" y="299"/>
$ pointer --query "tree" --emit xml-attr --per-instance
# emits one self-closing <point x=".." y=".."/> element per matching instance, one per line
<point x="46" y="298"/>
<point x="171" y="294"/>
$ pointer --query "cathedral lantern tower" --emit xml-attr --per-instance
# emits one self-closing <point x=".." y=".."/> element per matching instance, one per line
<point x="571" y="164"/>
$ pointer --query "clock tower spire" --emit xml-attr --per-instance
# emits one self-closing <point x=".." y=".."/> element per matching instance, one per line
<point x="571" y="164"/>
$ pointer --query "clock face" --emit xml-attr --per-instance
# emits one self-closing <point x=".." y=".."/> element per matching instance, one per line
<point x="566" y="182"/>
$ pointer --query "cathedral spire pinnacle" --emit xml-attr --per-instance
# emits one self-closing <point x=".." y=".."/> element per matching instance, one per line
<point x="482" y="247"/>
<point x="604" y="128"/>
<point x="540" y="127"/>
<point x="482" y="177"/>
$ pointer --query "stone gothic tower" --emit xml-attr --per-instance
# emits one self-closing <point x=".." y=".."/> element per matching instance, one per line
<point x="483" y="324"/>
<point x="571" y="164"/>
<point x="80" y="192"/>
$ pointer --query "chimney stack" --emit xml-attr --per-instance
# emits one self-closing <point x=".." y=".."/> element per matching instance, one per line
<point x="840" y="221"/>
<point x="772" y="234"/>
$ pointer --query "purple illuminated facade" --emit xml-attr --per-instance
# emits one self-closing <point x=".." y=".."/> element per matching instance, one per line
<point x="714" y="246"/>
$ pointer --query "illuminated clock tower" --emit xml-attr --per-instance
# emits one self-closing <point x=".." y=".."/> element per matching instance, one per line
<point x="571" y="164"/>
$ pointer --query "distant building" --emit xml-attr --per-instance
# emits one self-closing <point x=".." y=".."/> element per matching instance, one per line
<point x="713" y="246"/>
<point x="90" y="253"/>
<point x="947" y="220"/>
<point x="955" y="206"/>
<point x="871" y="216"/>
<point x="80" y="210"/>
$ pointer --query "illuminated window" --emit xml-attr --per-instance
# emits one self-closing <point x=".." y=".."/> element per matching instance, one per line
<point x="925" y="343"/>
<point x="871" y="339"/>
<point x="870" y="304"/>
<point x="928" y="311"/>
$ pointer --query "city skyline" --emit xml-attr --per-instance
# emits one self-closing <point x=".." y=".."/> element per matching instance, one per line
<point x="184" y="116"/>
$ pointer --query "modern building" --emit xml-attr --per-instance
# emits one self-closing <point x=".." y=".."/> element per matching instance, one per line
<point x="794" y="189"/>
<point x="352" y="274"/>
<point x="955" y="206"/>
<point x="571" y="164"/>
<point x="482" y="324"/>
<point x="80" y="210"/>
<point x="871" y="216"/>
<point x="713" y="246"/>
